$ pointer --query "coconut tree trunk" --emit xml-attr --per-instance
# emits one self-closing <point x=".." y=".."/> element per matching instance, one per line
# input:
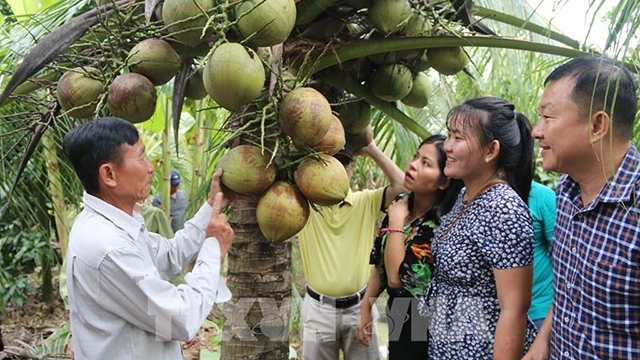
<point x="259" y="276"/>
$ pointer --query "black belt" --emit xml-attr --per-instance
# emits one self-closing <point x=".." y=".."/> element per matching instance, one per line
<point x="338" y="303"/>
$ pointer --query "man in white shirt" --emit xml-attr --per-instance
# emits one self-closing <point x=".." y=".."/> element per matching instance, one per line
<point x="121" y="302"/>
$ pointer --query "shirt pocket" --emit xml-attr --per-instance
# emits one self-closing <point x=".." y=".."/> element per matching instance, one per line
<point x="612" y="294"/>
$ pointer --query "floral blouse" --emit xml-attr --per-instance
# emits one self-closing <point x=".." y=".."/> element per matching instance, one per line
<point x="417" y="267"/>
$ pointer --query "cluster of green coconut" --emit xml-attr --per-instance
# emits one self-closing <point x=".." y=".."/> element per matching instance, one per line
<point x="233" y="76"/>
<point x="400" y="75"/>
<point x="307" y="119"/>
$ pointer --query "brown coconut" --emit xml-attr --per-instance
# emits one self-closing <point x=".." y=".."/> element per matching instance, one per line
<point x="360" y="140"/>
<point x="305" y="115"/>
<point x="78" y="92"/>
<point x="246" y="170"/>
<point x="323" y="181"/>
<point x="132" y="97"/>
<point x="282" y="212"/>
<point x="155" y="59"/>
<point x="355" y="116"/>
<point x="333" y="141"/>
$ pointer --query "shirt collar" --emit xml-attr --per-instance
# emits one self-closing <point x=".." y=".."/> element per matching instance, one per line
<point x="131" y="224"/>
<point x="620" y="187"/>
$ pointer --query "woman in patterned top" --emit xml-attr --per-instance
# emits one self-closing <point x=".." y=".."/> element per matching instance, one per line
<point x="402" y="251"/>
<point x="478" y="298"/>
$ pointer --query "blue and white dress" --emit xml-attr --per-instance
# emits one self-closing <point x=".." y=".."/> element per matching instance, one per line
<point x="461" y="302"/>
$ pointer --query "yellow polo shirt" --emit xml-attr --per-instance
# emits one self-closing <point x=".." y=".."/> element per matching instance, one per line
<point x="336" y="243"/>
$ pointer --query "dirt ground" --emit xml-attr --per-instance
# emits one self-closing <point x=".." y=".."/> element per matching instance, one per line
<point x="40" y="331"/>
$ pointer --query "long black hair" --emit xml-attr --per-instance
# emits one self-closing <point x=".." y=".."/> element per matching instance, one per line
<point x="447" y="197"/>
<point x="496" y="119"/>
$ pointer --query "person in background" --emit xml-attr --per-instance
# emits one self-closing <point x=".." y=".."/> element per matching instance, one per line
<point x="122" y="305"/>
<point x="177" y="203"/>
<point x="335" y="246"/>
<point x="401" y="255"/>
<point x="542" y="205"/>
<point x="155" y="219"/>
<point x="587" y="116"/>
<point x="478" y="298"/>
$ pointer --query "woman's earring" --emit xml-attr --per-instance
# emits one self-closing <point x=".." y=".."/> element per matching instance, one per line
<point x="486" y="160"/>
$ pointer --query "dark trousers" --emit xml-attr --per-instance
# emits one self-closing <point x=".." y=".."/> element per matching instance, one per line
<point x="408" y="331"/>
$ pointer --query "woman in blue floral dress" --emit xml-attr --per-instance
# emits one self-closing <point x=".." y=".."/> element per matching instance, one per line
<point x="402" y="251"/>
<point x="478" y="299"/>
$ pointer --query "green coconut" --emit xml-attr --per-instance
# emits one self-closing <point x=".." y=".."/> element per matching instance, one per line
<point x="392" y="82"/>
<point x="79" y="91"/>
<point x="305" y="115"/>
<point x="389" y="16"/>
<point x="447" y="60"/>
<point x="233" y="76"/>
<point x="333" y="141"/>
<point x="268" y="23"/>
<point x="361" y="139"/>
<point x="155" y="59"/>
<point x="282" y="212"/>
<point x="419" y="95"/>
<point x="246" y="170"/>
<point x="132" y="97"/>
<point x="417" y="26"/>
<point x="360" y="4"/>
<point x="322" y="181"/>
<point x="175" y="13"/>
<point x="423" y="62"/>
<point x="195" y="87"/>
<point x="355" y="116"/>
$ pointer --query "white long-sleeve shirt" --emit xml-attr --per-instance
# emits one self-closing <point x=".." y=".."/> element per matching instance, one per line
<point x="121" y="302"/>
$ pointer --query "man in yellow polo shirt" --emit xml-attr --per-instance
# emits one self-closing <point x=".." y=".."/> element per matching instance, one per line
<point x="335" y="246"/>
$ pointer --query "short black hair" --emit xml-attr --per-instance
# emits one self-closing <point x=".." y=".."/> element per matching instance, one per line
<point x="602" y="84"/>
<point x="95" y="143"/>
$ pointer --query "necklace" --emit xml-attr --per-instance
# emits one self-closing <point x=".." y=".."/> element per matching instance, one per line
<point x="465" y="207"/>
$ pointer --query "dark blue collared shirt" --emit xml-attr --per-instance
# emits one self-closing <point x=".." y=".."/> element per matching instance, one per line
<point x="596" y="264"/>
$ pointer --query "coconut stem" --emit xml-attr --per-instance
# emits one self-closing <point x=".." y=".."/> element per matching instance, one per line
<point x="358" y="49"/>
<point x="388" y="108"/>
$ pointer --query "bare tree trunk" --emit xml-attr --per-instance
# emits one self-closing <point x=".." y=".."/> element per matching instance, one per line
<point x="259" y="276"/>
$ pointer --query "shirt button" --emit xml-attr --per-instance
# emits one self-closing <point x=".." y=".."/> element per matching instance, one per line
<point x="566" y="354"/>
<point x="566" y="319"/>
<point x="574" y="250"/>
<point x="579" y="216"/>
